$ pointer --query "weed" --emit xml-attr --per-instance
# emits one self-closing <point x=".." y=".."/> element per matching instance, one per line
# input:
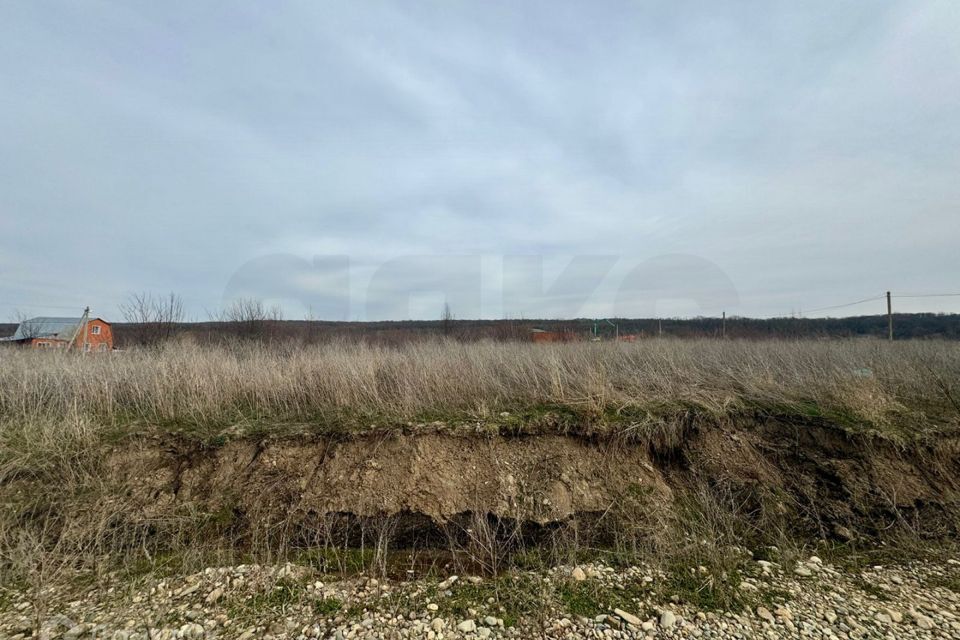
<point x="269" y="603"/>
<point x="327" y="606"/>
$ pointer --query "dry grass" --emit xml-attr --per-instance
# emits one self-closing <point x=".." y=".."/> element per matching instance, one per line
<point x="58" y="410"/>
<point x="60" y="399"/>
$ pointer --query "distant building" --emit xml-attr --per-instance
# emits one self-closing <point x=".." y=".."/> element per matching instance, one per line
<point x="542" y="335"/>
<point x="86" y="334"/>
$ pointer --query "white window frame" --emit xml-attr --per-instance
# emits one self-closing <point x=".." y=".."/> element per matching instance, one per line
<point x="95" y="330"/>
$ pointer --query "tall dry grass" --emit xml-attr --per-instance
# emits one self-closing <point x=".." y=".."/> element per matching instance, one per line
<point x="186" y="384"/>
<point x="57" y="410"/>
<point x="55" y="406"/>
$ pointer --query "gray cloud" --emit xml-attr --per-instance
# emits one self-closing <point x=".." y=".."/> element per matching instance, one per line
<point x="807" y="150"/>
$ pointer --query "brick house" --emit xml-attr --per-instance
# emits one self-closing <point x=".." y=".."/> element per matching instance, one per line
<point x="85" y="334"/>
<point x="542" y="335"/>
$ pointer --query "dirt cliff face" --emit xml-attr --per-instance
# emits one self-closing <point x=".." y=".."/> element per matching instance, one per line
<point x="818" y="480"/>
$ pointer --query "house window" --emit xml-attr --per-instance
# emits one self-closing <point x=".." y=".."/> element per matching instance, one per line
<point x="95" y="330"/>
<point x="43" y="345"/>
<point x="87" y="346"/>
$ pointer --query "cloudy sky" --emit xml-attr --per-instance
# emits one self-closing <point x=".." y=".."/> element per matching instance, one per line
<point x="366" y="160"/>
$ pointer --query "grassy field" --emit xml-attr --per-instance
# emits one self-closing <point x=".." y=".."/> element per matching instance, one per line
<point x="61" y="415"/>
<point x="56" y="406"/>
<point x="48" y="396"/>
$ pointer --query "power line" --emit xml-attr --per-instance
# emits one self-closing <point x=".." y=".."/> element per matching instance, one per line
<point x="927" y="295"/>
<point x="840" y="306"/>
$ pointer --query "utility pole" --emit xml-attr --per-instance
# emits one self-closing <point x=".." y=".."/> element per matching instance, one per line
<point x="659" y="328"/>
<point x="616" y="327"/>
<point x="889" y="318"/>
<point x="723" y="326"/>
<point x="80" y="331"/>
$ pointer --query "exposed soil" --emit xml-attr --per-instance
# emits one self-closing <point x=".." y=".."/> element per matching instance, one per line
<point x="820" y="480"/>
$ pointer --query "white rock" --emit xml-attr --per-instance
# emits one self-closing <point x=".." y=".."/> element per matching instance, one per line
<point x="76" y="631"/>
<point x="667" y="619"/>
<point x="190" y="630"/>
<point x="921" y="620"/>
<point x="629" y="618"/>
<point x="578" y="574"/>
<point x="467" y="626"/>
<point x="765" y="614"/>
<point x="894" y="615"/>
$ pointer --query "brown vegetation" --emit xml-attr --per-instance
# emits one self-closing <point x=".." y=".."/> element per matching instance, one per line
<point x="501" y="452"/>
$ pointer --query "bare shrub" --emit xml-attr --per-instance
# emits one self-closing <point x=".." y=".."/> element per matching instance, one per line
<point x="155" y="318"/>
<point x="251" y="316"/>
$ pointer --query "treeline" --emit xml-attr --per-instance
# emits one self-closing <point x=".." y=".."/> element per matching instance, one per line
<point x="268" y="327"/>
<point x="906" y="326"/>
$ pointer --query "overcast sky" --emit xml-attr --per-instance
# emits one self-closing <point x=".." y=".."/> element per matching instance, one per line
<point x="365" y="160"/>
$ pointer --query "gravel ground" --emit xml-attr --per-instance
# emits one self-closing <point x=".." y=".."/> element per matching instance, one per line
<point x="810" y="599"/>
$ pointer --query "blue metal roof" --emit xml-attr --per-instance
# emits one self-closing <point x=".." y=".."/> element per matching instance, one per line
<point x="44" y="327"/>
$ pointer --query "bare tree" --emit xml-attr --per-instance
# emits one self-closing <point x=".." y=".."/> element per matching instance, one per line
<point x="27" y="329"/>
<point x="446" y="319"/>
<point x="252" y="317"/>
<point x="155" y="317"/>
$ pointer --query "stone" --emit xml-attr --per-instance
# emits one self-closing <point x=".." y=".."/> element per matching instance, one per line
<point x="894" y="615"/>
<point x="490" y="621"/>
<point x="483" y="632"/>
<point x="191" y="630"/>
<point x="433" y="606"/>
<point x="764" y="614"/>
<point x="803" y="571"/>
<point x="667" y="619"/>
<point x="921" y="620"/>
<point x="76" y="631"/>
<point x="578" y="574"/>
<point x="214" y="595"/>
<point x="438" y="624"/>
<point x="844" y="533"/>
<point x="467" y="626"/>
<point x="629" y="618"/>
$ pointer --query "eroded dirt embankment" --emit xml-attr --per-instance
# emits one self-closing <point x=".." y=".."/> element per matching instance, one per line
<point x="816" y="479"/>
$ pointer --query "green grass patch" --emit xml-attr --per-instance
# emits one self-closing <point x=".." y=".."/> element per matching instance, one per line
<point x="515" y="596"/>
<point x="590" y="598"/>
<point x="327" y="606"/>
<point x="270" y="603"/>
<point x="951" y="582"/>
<point x="338" y="560"/>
